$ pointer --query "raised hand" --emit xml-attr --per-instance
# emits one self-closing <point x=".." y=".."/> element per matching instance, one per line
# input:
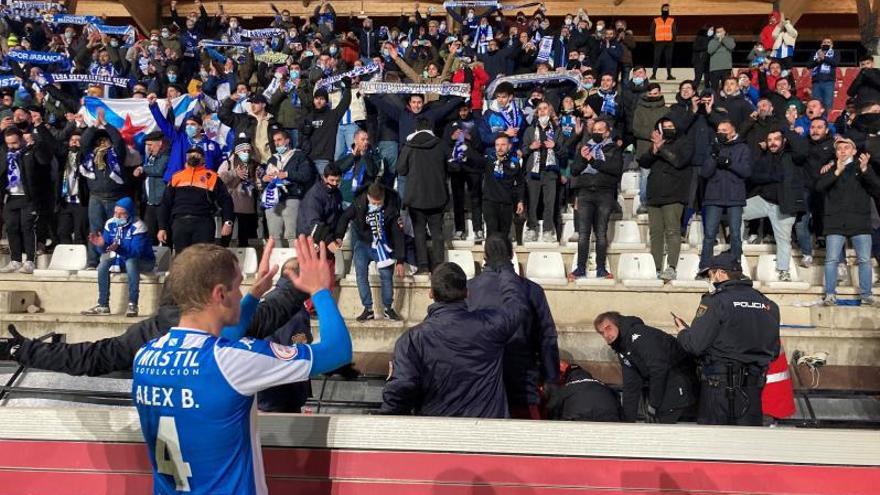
<point x="265" y="273"/>
<point x="314" y="273"/>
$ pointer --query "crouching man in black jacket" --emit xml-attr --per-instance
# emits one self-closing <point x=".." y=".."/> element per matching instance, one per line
<point x="451" y="363"/>
<point x="651" y="359"/>
<point x="531" y="357"/>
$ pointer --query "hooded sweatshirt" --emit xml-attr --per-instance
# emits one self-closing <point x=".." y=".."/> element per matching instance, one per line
<point x="131" y="236"/>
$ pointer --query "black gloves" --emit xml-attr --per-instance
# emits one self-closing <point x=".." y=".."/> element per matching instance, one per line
<point x="10" y="346"/>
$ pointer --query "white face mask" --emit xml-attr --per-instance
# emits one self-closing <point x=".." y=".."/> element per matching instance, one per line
<point x="371" y="207"/>
<point x="244" y="156"/>
<point x="544" y="120"/>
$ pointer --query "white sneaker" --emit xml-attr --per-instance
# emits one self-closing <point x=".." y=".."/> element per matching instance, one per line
<point x="806" y="261"/>
<point x="752" y="239"/>
<point x="549" y="237"/>
<point x="458" y="235"/>
<point x="27" y="268"/>
<point x="12" y="266"/>
<point x="531" y="235"/>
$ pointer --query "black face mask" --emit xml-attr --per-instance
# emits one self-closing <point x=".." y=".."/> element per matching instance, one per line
<point x="664" y="13"/>
<point x="23" y="125"/>
<point x="193" y="161"/>
<point x="869" y="122"/>
<point x="597" y="137"/>
<point x="826" y="47"/>
<point x="701" y="108"/>
<point x="721" y="137"/>
<point x="653" y="98"/>
<point x="668" y="134"/>
<point x="74" y="149"/>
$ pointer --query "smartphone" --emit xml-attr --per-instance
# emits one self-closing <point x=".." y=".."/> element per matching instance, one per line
<point x="678" y="321"/>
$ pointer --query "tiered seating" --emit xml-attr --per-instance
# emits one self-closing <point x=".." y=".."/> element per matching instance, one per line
<point x="67" y="260"/>
<point x="546" y="268"/>
<point x="768" y="276"/>
<point x="686" y="272"/>
<point x="638" y="270"/>
<point x="465" y="259"/>
<point x="627" y="235"/>
<point x="247" y="260"/>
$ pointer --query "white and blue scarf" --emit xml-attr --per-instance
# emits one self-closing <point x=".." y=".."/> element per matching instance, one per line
<point x="122" y="82"/>
<point x="598" y="154"/>
<point x="272" y="194"/>
<point x="376" y="220"/>
<point x="824" y="67"/>
<point x="87" y="169"/>
<point x="77" y="20"/>
<point x="481" y="37"/>
<point x="356" y="72"/>
<point x="544" y="49"/>
<point x="460" y="147"/>
<point x="444" y="89"/>
<point x="609" y="102"/>
<point x="38" y="58"/>
<point x="13" y="169"/>
<point x="127" y="32"/>
<point x="262" y="33"/>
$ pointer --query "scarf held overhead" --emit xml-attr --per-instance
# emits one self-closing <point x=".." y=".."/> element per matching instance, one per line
<point x="445" y="89"/>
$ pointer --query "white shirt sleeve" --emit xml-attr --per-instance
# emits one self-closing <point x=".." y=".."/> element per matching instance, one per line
<point x="251" y="365"/>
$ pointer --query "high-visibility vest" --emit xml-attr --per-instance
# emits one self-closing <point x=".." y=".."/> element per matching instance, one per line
<point x="663" y="28"/>
<point x="777" y="398"/>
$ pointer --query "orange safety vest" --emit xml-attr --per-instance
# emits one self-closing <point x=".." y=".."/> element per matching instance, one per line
<point x="663" y="28"/>
<point x="777" y="398"/>
<point x="199" y="177"/>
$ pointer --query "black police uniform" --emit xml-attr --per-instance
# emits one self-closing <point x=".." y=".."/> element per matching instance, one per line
<point x="735" y="335"/>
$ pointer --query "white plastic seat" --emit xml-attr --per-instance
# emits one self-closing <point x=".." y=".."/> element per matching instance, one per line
<point x="66" y="260"/>
<point x="627" y="235"/>
<point x="281" y="255"/>
<point x="767" y="274"/>
<point x="686" y="272"/>
<point x="463" y="258"/>
<point x="629" y="182"/>
<point x="372" y="272"/>
<point x="546" y="268"/>
<point x="590" y="280"/>
<point x="695" y="232"/>
<point x="567" y="232"/>
<point x="247" y="259"/>
<point x="637" y="203"/>
<point x="638" y="270"/>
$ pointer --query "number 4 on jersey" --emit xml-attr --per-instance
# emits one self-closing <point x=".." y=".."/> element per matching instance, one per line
<point x="169" y="459"/>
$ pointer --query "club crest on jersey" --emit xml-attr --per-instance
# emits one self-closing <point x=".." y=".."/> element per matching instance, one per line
<point x="283" y="352"/>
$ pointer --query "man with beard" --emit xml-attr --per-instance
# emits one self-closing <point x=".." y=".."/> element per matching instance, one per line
<point x="820" y="151"/>
<point x="760" y="123"/>
<point x="777" y="191"/>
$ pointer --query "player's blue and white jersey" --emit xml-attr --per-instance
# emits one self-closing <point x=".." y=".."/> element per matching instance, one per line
<point x="195" y="397"/>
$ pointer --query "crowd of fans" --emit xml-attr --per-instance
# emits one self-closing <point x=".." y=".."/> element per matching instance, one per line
<point x="310" y="151"/>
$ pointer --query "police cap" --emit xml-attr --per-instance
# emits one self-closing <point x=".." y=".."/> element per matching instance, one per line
<point x="724" y="261"/>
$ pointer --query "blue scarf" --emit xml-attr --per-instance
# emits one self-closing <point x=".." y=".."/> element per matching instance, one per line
<point x="544" y="49"/>
<point x="376" y="220"/>
<point x="13" y="172"/>
<point x="481" y="38"/>
<point x="567" y="124"/>
<point x="498" y="168"/>
<point x="824" y="67"/>
<point x="460" y="147"/>
<point x="87" y="169"/>
<point x="598" y="154"/>
<point x="38" y="58"/>
<point x="609" y="103"/>
<point x="272" y="194"/>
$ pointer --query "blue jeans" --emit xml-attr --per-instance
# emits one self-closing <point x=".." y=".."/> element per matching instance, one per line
<point x="344" y="139"/>
<point x="294" y="137"/>
<point x="321" y="165"/>
<point x="133" y="267"/>
<point x="100" y="210"/>
<point x="388" y="151"/>
<point x="834" y="254"/>
<point x="758" y="207"/>
<point x="824" y="92"/>
<point x="711" y="224"/>
<point x="361" y="257"/>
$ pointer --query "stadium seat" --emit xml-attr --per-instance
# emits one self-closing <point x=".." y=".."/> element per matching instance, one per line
<point x="629" y="182"/>
<point x="247" y="259"/>
<point x="767" y="274"/>
<point x="686" y="272"/>
<point x="637" y="202"/>
<point x="758" y="248"/>
<point x="66" y="260"/>
<point x="567" y="232"/>
<point x="590" y="280"/>
<point x="627" y="235"/>
<point x="463" y="258"/>
<point x="638" y="270"/>
<point x="280" y="255"/>
<point x="695" y="232"/>
<point x="546" y="268"/>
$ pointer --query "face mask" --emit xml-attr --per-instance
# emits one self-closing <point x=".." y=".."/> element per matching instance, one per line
<point x="114" y="43"/>
<point x="597" y="137"/>
<point x="721" y="137"/>
<point x="281" y="149"/>
<point x="68" y="36"/>
<point x="588" y="85"/>
<point x="172" y="78"/>
<point x="165" y="34"/>
<point x="600" y="28"/>
<point x="567" y="22"/>
<point x="638" y="80"/>
<point x="203" y="74"/>
<point x="373" y="208"/>
<point x="333" y="50"/>
<point x="191" y="130"/>
<point x="120" y="222"/>
<point x="294" y="74"/>
<point x="544" y="120"/>
<point x="710" y="33"/>
<point x="386" y="53"/>
<point x="404" y="44"/>
<point x="826" y="47"/>
<point x="244" y="156"/>
<point x="668" y="134"/>
<point x="470" y="16"/>
<point x="193" y="161"/>
<point x="233" y="25"/>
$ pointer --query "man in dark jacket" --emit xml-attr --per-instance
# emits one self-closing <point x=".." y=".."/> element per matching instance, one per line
<point x="610" y="53"/>
<point x="651" y="359"/>
<point x="288" y="177"/>
<point x="595" y="174"/>
<point x="497" y="59"/>
<point x="866" y="86"/>
<point x="733" y="103"/>
<point x="321" y="124"/>
<point x="583" y="398"/>
<point x="759" y="124"/>
<point x="25" y="188"/>
<point x="725" y="172"/>
<point x="423" y="162"/>
<point x="669" y="160"/>
<point x="377" y="237"/>
<point x="462" y="135"/>
<point x="360" y="167"/>
<point x="820" y="151"/>
<point x="71" y="194"/>
<point x="847" y="186"/>
<point x="117" y="353"/>
<point x="503" y="185"/>
<point x="451" y="363"/>
<point x="531" y="357"/>
<point x="776" y="191"/>
<point x="152" y="172"/>
<point x="321" y="208"/>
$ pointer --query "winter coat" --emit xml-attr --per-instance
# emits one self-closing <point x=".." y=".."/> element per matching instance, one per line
<point x="848" y="199"/>
<point x="721" y="53"/>
<point x="319" y="213"/>
<point x="423" y="162"/>
<point x="780" y="178"/>
<point x="727" y="187"/>
<point x="670" y="171"/>
<point x="645" y="118"/>
<point x="609" y="171"/>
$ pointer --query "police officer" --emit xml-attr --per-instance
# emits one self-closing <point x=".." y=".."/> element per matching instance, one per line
<point x="189" y="203"/>
<point x="735" y="335"/>
<point x="652" y="360"/>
